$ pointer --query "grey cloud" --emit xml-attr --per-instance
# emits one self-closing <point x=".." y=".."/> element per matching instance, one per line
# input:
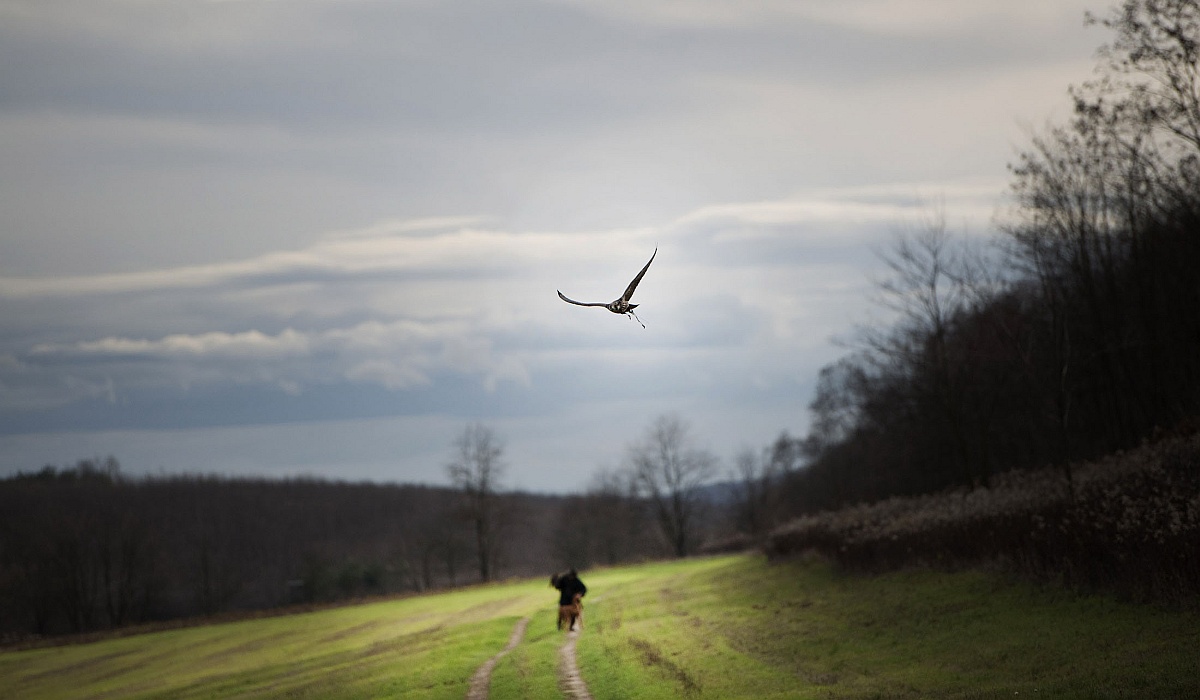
<point x="397" y="356"/>
<point x="516" y="68"/>
<point x="439" y="277"/>
<point x="427" y="66"/>
<point x="150" y="134"/>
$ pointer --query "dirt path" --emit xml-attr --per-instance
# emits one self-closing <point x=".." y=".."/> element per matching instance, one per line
<point x="568" y="671"/>
<point x="483" y="676"/>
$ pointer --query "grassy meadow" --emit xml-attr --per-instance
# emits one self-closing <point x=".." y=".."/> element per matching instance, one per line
<point x="721" y="627"/>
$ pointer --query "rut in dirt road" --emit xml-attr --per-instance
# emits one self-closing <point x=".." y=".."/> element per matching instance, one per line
<point x="483" y="676"/>
<point x="568" y="671"/>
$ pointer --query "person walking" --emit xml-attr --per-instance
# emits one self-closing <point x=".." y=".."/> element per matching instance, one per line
<point x="571" y="591"/>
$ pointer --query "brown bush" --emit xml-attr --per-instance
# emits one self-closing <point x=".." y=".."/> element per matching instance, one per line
<point x="1129" y="523"/>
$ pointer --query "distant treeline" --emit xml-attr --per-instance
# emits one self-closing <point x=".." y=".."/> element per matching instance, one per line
<point x="84" y="548"/>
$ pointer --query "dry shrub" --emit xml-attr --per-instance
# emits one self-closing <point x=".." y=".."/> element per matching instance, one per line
<point x="1129" y="523"/>
<point x="739" y="542"/>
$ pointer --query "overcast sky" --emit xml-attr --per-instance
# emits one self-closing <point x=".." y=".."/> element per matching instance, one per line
<point x="322" y="236"/>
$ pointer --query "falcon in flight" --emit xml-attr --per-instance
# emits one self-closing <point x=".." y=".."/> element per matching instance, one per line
<point x="622" y="305"/>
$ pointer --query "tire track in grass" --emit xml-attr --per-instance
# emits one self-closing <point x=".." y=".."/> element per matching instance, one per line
<point x="483" y="675"/>
<point x="568" y="670"/>
<point x="652" y="657"/>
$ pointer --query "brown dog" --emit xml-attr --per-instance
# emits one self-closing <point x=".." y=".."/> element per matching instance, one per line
<point x="570" y="614"/>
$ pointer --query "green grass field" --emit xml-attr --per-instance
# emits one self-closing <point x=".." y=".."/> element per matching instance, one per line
<point x="725" y="627"/>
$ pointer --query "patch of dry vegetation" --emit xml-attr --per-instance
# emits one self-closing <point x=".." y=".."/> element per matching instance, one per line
<point x="1129" y="523"/>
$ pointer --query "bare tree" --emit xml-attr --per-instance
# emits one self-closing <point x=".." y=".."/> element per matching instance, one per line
<point x="669" y="471"/>
<point x="754" y="490"/>
<point x="1149" y="86"/>
<point x="477" y="469"/>
<point x="930" y="288"/>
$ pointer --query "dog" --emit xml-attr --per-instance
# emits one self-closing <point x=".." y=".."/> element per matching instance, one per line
<point x="571" y="614"/>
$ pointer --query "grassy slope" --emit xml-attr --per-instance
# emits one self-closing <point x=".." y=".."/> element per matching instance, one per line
<point x="743" y="628"/>
<point x="421" y="647"/>
<point x="723" y="627"/>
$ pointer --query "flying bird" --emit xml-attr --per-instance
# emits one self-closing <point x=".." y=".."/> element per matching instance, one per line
<point x="622" y="305"/>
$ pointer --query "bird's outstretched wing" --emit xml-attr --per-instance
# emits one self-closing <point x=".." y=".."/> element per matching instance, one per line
<point x="633" y="285"/>
<point x="579" y="303"/>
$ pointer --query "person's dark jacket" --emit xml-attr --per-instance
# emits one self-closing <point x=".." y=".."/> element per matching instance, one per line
<point x="568" y="585"/>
